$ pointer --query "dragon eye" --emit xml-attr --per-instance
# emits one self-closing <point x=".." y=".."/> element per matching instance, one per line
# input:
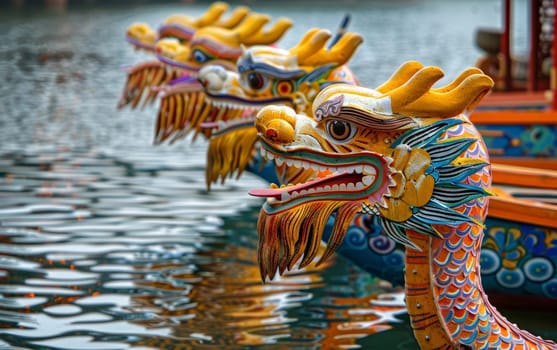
<point x="200" y="56"/>
<point x="340" y="130"/>
<point x="255" y="80"/>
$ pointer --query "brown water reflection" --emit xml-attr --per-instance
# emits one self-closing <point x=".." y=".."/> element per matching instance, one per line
<point x="108" y="252"/>
<point x="107" y="242"/>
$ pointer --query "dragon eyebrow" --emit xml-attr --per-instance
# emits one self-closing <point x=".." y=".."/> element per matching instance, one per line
<point x="329" y="108"/>
<point x="334" y="108"/>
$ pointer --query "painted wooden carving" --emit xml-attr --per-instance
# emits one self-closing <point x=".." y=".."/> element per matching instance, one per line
<point x="269" y="75"/>
<point x="406" y="154"/>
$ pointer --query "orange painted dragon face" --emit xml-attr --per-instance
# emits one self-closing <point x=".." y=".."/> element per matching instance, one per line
<point x="210" y="42"/>
<point x="223" y="46"/>
<point x="268" y="75"/>
<point x="404" y="152"/>
<point x="183" y="102"/>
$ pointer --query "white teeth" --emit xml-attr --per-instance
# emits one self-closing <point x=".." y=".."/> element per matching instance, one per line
<point x="356" y="169"/>
<point x="369" y="170"/>
<point x="368" y="176"/>
<point x="368" y="180"/>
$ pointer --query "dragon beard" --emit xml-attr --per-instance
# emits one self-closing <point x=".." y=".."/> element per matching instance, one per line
<point x="229" y="154"/>
<point x="294" y="235"/>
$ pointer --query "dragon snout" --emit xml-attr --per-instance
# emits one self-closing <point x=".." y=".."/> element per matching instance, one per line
<point x="276" y="124"/>
<point x="212" y="77"/>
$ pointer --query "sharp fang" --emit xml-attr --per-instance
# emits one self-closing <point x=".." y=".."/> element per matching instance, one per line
<point x="279" y="161"/>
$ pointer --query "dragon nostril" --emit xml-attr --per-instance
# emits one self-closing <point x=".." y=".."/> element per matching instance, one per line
<point x="271" y="134"/>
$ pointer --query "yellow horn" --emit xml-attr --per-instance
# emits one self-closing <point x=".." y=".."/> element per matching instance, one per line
<point x="311" y="44"/>
<point x="339" y="54"/>
<point x="400" y="76"/>
<point x="250" y="25"/>
<point x="465" y="74"/>
<point x="414" y="88"/>
<point x="212" y="15"/>
<point x="303" y="42"/>
<point x="235" y="18"/>
<point x="270" y="36"/>
<point x="450" y="103"/>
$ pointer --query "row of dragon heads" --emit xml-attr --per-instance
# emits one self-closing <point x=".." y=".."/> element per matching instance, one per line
<point x="218" y="77"/>
<point x="212" y="75"/>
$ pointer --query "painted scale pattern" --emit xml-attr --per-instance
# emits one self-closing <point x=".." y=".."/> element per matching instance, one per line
<point x="518" y="140"/>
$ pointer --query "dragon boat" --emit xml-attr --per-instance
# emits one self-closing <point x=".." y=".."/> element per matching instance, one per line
<point x="405" y="154"/>
<point x="141" y="77"/>
<point x="178" y="58"/>
<point x="521" y="231"/>
<point x="519" y="253"/>
<point x="518" y="120"/>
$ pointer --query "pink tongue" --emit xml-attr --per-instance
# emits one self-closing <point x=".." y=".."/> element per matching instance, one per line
<point x="209" y="125"/>
<point x="276" y="192"/>
<point x="265" y="192"/>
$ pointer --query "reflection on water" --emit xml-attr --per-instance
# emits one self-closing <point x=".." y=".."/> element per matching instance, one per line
<point x="100" y="252"/>
<point x="110" y="243"/>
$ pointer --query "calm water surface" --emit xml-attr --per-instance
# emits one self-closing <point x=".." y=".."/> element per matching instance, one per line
<point x="108" y="242"/>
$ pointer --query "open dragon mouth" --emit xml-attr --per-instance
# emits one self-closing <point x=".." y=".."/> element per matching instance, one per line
<point x="173" y="63"/>
<point x="142" y="83"/>
<point x="344" y="177"/>
<point x="246" y="101"/>
<point x="244" y="113"/>
<point x="245" y="120"/>
<point x="185" y="109"/>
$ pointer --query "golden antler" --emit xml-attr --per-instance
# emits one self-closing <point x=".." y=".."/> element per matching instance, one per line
<point x="235" y="18"/>
<point x="210" y="17"/>
<point x="312" y="41"/>
<point x="400" y="76"/>
<point x="250" y="26"/>
<point x="270" y="36"/>
<point x="417" y="98"/>
<point x="311" y="51"/>
<point x="420" y="83"/>
<point x="465" y="74"/>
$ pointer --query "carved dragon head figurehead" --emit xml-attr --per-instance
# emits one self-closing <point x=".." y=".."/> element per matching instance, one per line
<point x="183" y="103"/>
<point x="405" y="152"/>
<point x="183" y="27"/>
<point x="183" y="44"/>
<point x="269" y="75"/>
<point x="213" y="44"/>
